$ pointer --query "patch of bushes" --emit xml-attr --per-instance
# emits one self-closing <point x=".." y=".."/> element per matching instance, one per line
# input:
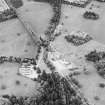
<point x="16" y="3"/>
<point x="100" y="66"/>
<point x="7" y="14"/>
<point x="76" y="40"/>
<point x="95" y="56"/>
<point x="56" y="5"/>
<point x="91" y="15"/>
<point x="19" y="60"/>
<point x="98" y="58"/>
<point x="100" y="0"/>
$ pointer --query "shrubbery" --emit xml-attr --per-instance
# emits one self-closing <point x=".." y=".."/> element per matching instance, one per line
<point x="7" y="14"/>
<point x="76" y="40"/>
<point x="99" y="61"/>
<point x="91" y="15"/>
<point x="16" y="3"/>
<point x="54" y="90"/>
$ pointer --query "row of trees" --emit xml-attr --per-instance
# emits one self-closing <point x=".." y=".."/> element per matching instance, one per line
<point x="95" y="56"/>
<point x="56" y="5"/>
<point x="12" y="59"/>
<point x="78" y="3"/>
<point x="7" y="14"/>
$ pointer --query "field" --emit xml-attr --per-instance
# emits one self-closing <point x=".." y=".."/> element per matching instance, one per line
<point x="76" y="21"/>
<point x="15" y="41"/>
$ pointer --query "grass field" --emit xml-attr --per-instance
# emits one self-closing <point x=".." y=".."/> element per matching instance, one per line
<point x="72" y="18"/>
<point x="15" y="41"/>
<point x="89" y="79"/>
<point x="75" y="20"/>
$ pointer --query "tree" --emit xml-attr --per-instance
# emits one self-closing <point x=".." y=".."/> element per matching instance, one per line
<point x="16" y="3"/>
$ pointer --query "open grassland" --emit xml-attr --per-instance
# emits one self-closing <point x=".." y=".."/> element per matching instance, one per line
<point x="88" y="78"/>
<point x="18" y="43"/>
<point x="14" y="41"/>
<point x="37" y="15"/>
<point x="72" y="17"/>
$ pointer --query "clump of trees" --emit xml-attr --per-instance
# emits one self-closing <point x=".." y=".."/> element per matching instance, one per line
<point x="56" y="5"/>
<point x="16" y="3"/>
<point x="76" y="40"/>
<point x="7" y="14"/>
<point x="19" y="60"/>
<point x="51" y="90"/>
<point x="98" y="58"/>
<point x="100" y="66"/>
<point x="54" y="90"/>
<point x="95" y="56"/>
<point x="91" y="15"/>
<point x="100" y="0"/>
